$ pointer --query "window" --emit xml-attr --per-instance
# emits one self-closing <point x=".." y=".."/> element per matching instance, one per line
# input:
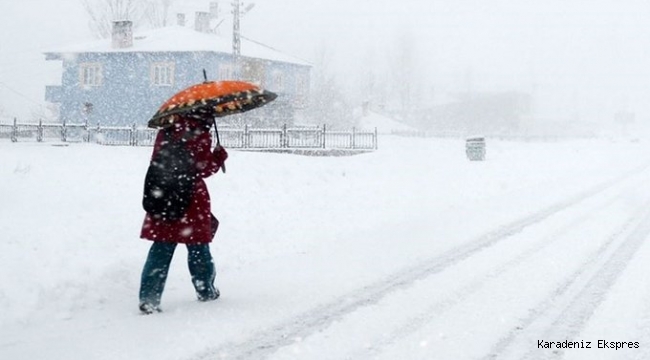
<point x="277" y="79"/>
<point x="162" y="74"/>
<point x="90" y="74"/>
<point x="225" y="72"/>
<point x="301" y="90"/>
<point x="302" y="84"/>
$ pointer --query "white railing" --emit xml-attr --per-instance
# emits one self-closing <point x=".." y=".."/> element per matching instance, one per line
<point x="244" y="138"/>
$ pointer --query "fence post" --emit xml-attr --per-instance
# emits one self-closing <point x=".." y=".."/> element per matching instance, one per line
<point x="98" y="138"/>
<point x="14" y="131"/>
<point x="354" y="137"/>
<point x="86" y="137"/>
<point x="132" y="138"/>
<point x="39" y="131"/>
<point x="64" y="132"/>
<point x="376" y="139"/>
<point x="324" y="131"/>
<point x="285" y="141"/>
<point x="244" y="139"/>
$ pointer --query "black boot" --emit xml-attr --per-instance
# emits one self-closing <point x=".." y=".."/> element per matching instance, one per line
<point x="148" y="309"/>
<point x="212" y="294"/>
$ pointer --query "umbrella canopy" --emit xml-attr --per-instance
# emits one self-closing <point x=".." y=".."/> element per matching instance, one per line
<point x="211" y="99"/>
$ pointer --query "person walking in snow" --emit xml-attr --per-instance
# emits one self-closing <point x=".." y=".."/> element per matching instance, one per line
<point x="195" y="227"/>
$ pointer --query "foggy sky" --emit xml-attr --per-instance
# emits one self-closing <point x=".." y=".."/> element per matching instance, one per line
<point x="581" y="59"/>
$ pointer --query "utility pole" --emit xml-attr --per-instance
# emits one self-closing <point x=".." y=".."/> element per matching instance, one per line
<point x="236" y="33"/>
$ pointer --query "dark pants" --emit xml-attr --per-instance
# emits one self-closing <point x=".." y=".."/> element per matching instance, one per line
<point x="156" y="268"/>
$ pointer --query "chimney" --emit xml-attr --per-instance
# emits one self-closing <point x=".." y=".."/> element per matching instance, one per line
<point x="202" y="22"/>
<point x="122" y="34"/>
<point x="180" y="19"/>
<point x="214" y="10"/>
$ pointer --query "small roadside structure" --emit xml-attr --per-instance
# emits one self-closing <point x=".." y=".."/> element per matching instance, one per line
<point x="475" y="148"/>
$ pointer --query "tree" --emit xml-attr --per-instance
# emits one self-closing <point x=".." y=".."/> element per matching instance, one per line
<point x="403" y="73"/>
<point x="391" y="79"/>
<point x="102" y="13"/>
<point x="157" y="12"/>
<point x="372" y="81"/>
<point x="327" y="103"/>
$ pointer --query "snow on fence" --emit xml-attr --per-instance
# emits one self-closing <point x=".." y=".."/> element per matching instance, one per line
<point x="245" y="138"/>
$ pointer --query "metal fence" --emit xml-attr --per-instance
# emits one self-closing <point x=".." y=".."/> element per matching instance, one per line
<point x="243" y="138"/>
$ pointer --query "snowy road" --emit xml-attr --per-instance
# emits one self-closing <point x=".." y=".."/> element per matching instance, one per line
<point x="540" y="278"/>
<point x="411" y="252"/>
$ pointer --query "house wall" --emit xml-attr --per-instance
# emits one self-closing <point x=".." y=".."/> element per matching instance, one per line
<point x="126" y="94"/>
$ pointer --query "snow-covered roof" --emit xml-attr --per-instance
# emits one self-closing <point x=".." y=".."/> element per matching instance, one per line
<point x="382" y="123"/>
<point x="181" y="39"/>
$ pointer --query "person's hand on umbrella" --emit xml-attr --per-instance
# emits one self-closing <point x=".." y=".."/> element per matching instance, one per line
<point x="220" y="156"/>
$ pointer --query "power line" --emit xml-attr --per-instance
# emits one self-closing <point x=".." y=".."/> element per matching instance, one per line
<point x="274" y="49"/>
<point x="27" y="72"/>
<point x="21" y="95"/>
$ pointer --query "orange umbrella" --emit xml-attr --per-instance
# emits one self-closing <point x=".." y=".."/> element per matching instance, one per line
<point x="211" y="99"/>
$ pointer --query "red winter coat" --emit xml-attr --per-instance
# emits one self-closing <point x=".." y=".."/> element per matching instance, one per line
<point x="196" y="226"/>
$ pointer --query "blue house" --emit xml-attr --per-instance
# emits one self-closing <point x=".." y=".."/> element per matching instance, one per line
<point x="123" y="80"/>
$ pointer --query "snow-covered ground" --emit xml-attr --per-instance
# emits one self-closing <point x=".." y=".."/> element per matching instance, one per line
<point x="410" y="252"/>
<point x="383" y="124"/>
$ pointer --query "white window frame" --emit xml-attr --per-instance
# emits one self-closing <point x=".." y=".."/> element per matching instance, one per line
<point x="226" y="72"/>
<point x="90" y="74"/>
<point x="302" y="84"/>
<point x="277" y="79"/>
<point x="301" y="90"/>
<point x="162" y="73"/>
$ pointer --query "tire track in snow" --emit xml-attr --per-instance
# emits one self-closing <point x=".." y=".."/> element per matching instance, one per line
<point x="571" y="305"/>
<point x="425" y="317"/>
<point x="643" y="329"/>
<point x="265" y="342"/>
<point x="571" y="321"/>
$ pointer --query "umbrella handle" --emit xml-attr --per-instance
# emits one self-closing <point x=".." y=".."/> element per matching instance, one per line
<point x="216" y="132"/>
